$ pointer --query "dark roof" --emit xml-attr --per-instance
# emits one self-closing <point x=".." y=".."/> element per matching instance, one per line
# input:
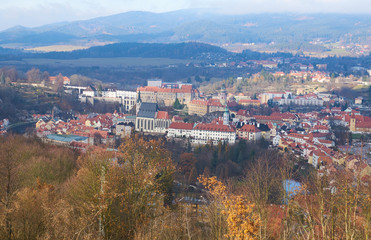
<point x="264" y="127"/>
<point x="148" y="110"/>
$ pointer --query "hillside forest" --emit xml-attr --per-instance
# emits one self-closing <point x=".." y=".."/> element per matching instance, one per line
<point x="152" y="189"/>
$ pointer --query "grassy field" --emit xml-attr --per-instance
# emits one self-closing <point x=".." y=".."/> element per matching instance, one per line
<point x="57" y="48"/>
<point x="103" y="62"/>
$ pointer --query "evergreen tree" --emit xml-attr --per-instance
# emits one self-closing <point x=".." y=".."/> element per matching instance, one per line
<point x="177" y="104"/>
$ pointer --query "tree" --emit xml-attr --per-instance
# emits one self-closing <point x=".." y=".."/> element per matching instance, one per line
<point x="34" y="76"/>
<point x="9" y="183"/>
<point x="177" y="104"/>
<point x="187" y="164"/>
<point x="115" y="196"/>
<point x="59" y="83"/>
<point x="242" y="221"/>
<point x="2" y="79"/>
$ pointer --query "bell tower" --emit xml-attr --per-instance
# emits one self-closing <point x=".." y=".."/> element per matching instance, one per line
<point x="226" y="116"/>
<point x="352" y="124"/>
<point x="139" y="102"/>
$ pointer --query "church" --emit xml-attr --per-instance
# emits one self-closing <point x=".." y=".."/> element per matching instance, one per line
<point x="150" y="119"/>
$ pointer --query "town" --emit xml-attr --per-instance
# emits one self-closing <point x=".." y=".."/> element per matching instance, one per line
<point x="321" y="128"/>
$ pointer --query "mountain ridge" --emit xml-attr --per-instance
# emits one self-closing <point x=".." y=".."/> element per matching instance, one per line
<point x="198" y="25"/>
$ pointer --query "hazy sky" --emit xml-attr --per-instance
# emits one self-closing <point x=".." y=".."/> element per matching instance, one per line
<point x="31" y="13"/>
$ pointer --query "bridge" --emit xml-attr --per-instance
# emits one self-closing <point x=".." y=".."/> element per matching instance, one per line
<point x="80" y="89"/>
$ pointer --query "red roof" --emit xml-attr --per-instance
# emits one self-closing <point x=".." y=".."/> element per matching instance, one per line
<point x="214" y="127"/>
<point x="184" y="89"/>
<point x="163" y="115"/>
<point x="181" y="125"/>
<point x="252" y="101"/>
<point x="363" y="125"/>
<point x="249" y="128"/>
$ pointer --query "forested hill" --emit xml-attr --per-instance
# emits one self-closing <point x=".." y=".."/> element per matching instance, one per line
<point x="189" y="50"/>
<point x="145" y="50"/>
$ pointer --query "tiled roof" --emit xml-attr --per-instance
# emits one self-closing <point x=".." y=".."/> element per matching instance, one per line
<point x="181" y="125"/>
<point x="147" y="110"/>
<point x="214" y="127"/>
<point x="249" y="128"/>
<point x="184" y="89"/>
<point x="162" y="115"/>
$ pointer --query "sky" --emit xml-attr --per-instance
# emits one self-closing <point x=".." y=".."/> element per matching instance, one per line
<point x="32" y="13"/>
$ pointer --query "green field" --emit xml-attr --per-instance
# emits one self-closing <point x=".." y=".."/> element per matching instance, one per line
<point x="104" y="62"/>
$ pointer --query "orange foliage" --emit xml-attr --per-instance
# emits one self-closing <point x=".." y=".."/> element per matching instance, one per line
<point x="243" y="222"/>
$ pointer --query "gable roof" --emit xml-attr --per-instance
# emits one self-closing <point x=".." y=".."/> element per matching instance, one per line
<point x="147" y="110"/>
<point x="163" y="115"/>
<point x="181" y="125"/>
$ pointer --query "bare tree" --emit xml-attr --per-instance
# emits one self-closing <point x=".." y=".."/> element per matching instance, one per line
<point x="8" y="182"/>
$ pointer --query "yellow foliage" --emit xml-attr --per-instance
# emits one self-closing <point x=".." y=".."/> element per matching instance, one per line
<point x="243" y="222"/>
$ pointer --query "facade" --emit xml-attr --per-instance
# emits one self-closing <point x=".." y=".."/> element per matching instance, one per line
<point x="301" y="102"/>
<point x="162" y="122"/>
<point x="128" y="99"/>
<point x="180" y="130"/>
<point x="250" y="133"/>
<point x="359" y="126"/>
<point x="145" y="121"/>
<point x="214" y="132"/>
<point x="198" y="107"/>
<point x="202" y="107"/>
<point x="167" y="96"/>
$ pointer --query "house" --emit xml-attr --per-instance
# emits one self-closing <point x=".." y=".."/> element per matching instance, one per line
<point x="250" y="133"/>
<point x="180" y="129"/>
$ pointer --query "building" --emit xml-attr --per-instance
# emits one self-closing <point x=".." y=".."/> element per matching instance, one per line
<point x="145" y="121"/>
<point x="162" y="122"/>
<point x="359" y="126"/>
<point x="214" y="132"/>
<point x="167" y="96"/>
<point x="249" y="102"/>
<point x="180" y="130"/>
<point x="128" y="99"/>
<point x="198" y="107"/>
<point x="66" y="80"/>
<point x="202" y="107"/>
<point x="250" y="133"/>
<point x="150" y="119"/>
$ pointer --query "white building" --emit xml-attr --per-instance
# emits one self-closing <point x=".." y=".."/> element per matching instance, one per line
<point x="214" y="132"/>
<point x="128" y="98"/>
<point x="180" y="129"/>
<point x="301" y="102"/>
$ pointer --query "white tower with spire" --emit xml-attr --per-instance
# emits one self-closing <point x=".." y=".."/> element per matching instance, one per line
<point x="226" y="116"/>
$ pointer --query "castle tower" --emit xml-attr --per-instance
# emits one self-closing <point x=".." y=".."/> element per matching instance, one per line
<point x="223" y="95"/>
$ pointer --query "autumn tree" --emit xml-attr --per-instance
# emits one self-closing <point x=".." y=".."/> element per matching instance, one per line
<point x="242" y="220"/>
<point x="187" y="166"/>
<point x="113" y="195"/>
<point x="9" y="183"/>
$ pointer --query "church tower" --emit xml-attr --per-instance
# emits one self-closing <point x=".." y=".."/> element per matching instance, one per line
<point x="226" y="116"/>
<point x="352" y="124"/>
<point x="138" y="104"/>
